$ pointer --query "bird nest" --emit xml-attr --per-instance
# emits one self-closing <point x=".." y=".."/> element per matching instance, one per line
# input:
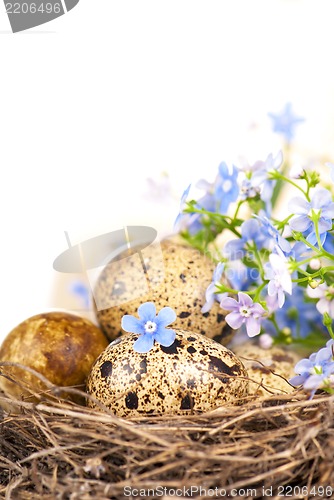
<point x="267" y="447"/>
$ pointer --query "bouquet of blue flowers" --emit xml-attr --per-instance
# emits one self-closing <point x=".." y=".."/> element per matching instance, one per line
<point x="270" y="230"/>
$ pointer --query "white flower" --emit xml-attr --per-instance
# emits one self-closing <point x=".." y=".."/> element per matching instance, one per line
<point x="325" y="294"/>
<point x="277" y="272"/>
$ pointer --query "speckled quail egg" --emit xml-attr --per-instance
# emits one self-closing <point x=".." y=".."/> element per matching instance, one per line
<point x="58" y="345"/>
<point x="268" y="369"/>
<point x="194" y="374"/>
<point x="174" y="275"/>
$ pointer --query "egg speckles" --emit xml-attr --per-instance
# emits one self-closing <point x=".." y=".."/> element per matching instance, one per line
<point x="180" y="282"/>
<point x="60" y="346"/>
<point x="268" y="369"/>
<point x="193" y="374"/>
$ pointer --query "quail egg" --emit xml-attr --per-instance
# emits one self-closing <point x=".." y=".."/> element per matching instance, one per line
<point x="60" y="346"/>
<point x="268" y="369"/>
<point x="175" y="275"/>
<point x="194" y="374"/>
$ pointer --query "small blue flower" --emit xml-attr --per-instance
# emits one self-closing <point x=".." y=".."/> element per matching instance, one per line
<point x="262" y="178"/>
<point x="248" y="190"/>
<point x="273" y="236"/>
<point x="150" y="327"/>
<point x="285" y="122"/>
<point x="193" y="221"/>
<point x="211" y="294"/>
<point x="321" y="205"/>
<point x="240" y="276"/>
<point x="250" y="234"/>
<point x="315" y="372"/>
<point x="226" y="187"/>
<point x="244" y="311"/>
<point x="297" y="318"/>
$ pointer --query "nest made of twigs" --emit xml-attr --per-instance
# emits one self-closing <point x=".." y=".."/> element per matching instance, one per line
<point x="56" y="449"/>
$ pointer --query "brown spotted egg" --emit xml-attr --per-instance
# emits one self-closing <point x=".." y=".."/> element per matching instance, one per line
<point x="268" y="369"/>
<point x="175" y="275"/>
<point x="194" y="374"/>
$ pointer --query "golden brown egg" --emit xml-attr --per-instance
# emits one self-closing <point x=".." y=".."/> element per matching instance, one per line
<point x="194" y="374"/>
<point x="176" y="276"/>
<point x="60" y="346"/>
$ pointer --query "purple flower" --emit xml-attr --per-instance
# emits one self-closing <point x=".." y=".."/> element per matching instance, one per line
<point x="150" y="327"/>
<point x="320" y="206"/>
<point x="315" y="372"/>
<point x="276" y="271"/>
<point x="211" y="292"/>
<point x="285" y="122"/>
<point x="226" y="187"/>
<point x="244" y="311"/>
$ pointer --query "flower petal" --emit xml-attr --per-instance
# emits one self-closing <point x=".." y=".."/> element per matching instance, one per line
<point x="313" y="382"/>
<point x="300" y="223"/>
<point x="297" y="380"/>
<point x="303" y="366"/>
<point x="166" y="316"/>
<point x="299" y="205"/>
<point x="323" y="354"/>
<point x="147" y="311"/>
<point x="244" y="299"/>
<point x="132" y="325"/>
<point x="253" y="326"/>
<point x="229" y="304"/>
<point x="144" y="343"/>
<point x="234" y="320"/>
<point x="165" y="336"/>
<point x="328" y="211"/>
<point x="234" y="249"/>
<point x="324" y="225"/>
<point x="321" y="198"/>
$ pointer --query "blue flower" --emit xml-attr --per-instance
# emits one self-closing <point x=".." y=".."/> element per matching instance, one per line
<point x="248" y="190"/>
<point x="193" y="221"/>
<point x="285" y="122"/>
<point x="297" y="318"/>
<point x="320" y="206"/>
<point x="244" y="311"/>
<point x="273" y="236"/>
<point x="226" y="187"/>
<point x="315" y="372"/>
<point x="184" y="220"/>
<point x="250" y="234"/>
<point x="211" y="292"/>
<point x="261" y="177"/>
<point x="150" y="327"/>
<point x="240" y="276"/>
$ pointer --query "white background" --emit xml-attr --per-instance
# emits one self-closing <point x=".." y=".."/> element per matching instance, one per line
<point x="114" y="92"/>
